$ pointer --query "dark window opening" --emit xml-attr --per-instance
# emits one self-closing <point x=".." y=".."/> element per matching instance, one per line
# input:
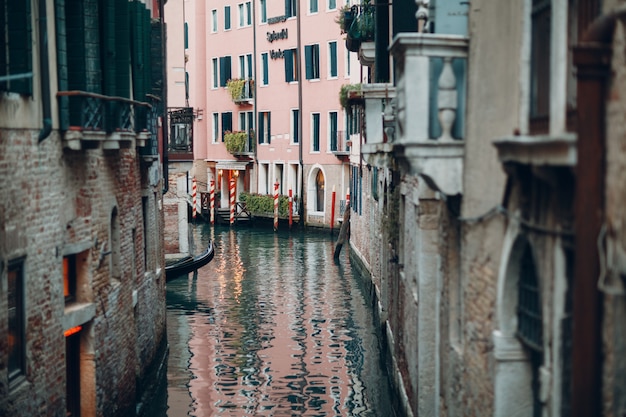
<point x="16" y="321"/>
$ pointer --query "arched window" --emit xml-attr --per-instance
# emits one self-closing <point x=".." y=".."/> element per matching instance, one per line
<point x="529" y="319"/>
<point x="319" y="188"/>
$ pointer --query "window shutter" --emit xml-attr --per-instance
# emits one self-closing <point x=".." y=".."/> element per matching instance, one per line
<point x="269" y="127"/>
<point x="261" y="128"/>
<point x="227" y="123"/>
<point x="228" y="72"/>
<point x="226" y="17"/>
<point x="296" y="126"/>
<point x="308" y="55"/>
<point x="122" y="48"/>
<point x="249" y="58"/>
<point x="288" y="65"/>
<point x="333" y="59"/>
<point x="288" y="8"/>
<point x="265" y="69"/>
<point x="186" y="35"/>
<point x="19" y="45"/>
<point x="222" y="71"/>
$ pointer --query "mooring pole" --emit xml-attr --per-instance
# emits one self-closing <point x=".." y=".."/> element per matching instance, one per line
<point x="332" y="211"/>
<point x="276" y="205"/>
<point x="290" y="209"/>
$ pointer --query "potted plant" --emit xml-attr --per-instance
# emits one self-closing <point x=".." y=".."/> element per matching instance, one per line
<point x="362" y="29"/>
<point x="235" y="141"/>
<point x="346" y="16"/>
<point x="345" y="92"/>
<point x="235" y="88"/>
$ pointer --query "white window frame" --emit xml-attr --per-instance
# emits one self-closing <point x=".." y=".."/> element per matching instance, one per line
<point x="329" y="61"/>
<point x="214" y="21"/>
<point x="263" y="12"/>
<point x="215" y="73"/>
<point x="215" y="133"/>
<point x="319" y="139"/>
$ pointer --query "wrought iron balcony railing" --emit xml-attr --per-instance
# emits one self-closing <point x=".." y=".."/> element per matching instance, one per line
<point x="180" y="144"/>
<point x="340" y="144"/>
<point x="91" y="116"/>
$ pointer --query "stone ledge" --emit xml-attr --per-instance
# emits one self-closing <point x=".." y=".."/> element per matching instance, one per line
<point x="538" y="150"/>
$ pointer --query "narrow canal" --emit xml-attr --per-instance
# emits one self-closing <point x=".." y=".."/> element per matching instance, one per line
<point x="272" y="327"/>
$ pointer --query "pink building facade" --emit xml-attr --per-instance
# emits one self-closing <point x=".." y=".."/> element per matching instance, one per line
<point x="258" y="68"/>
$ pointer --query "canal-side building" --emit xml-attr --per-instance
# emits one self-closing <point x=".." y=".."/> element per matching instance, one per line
<point x="82" y="311"/>
<point x="260" y="83"/>
<point x="502" y="286"/>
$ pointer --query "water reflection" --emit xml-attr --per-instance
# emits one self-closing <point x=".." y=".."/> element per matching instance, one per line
<point x="271" y="327"/>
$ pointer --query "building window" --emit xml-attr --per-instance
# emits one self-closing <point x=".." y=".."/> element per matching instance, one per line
<point x="16" y="41"/>
<point x="540" y="66"/>
<point x="216" y="119"/>
<point x="265" y="132"/>
<point x="214" y="20"/>
<point x="72" y="372"/>
<point x="16" y="365"/>
<point x="291" y="8"/>
<point x="248" y="13"/>
<point x="226" y="17"/>
<point x="347" y="61"/>
<point x="215" y="73"/>
<point x="242" y="67"/>
<point x="312" y="61"/>
<point x="146" y="249"/>
<point x="265" y="69"/>
<point x="249" y="66"/>
<point x="245" y="14"/>
<point x="291" y="65"/>
<point x="225" y="70"/>
<point x="227" y="123"/>
<point x="242" y="120"/>
<point x="315" y="136"/>
<point x="332" y="120"/>
<point x="242" y="20"/>
<point x="530" y="320"/>
<point x="332" y="59"/>
<point x="263" y="8"/>
<point x="69" y="278"/>
<point x="295" y="125"/>
<point x="332" y="4"/>
<point x="319" y="191"/>
<point x="186" y="35"/>
<point x="115" y="244"/>
<point x="312" y="6"/>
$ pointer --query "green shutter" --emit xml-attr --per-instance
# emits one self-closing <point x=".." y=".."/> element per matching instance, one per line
<point x="62" y="53"/>
<point x="19" y="33"/>
<point x="269" y="127"/>
<point x="288" y="65"/>
<point x="186" y="35"/>
<point x="261" y="128"/>
<point x="226" y="17"/>
<point x="265" y="69"/>
<point x="333" y="59"/>
<point x="308" y="56"/>
<point x="122" y="48"/>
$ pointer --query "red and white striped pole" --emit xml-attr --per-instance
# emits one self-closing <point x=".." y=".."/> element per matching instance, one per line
<point x="194" y="189"/>
<point x="232" y="200"/>
<point x="332" y="211"/>
<point x="276" y="205"/>
<point x="290" y="209"/>
<point x="212" y="201"/>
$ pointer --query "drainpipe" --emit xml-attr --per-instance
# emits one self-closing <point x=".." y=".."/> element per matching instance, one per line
<point x="300" y="138"/>
<point x="592" y="57"/>
<point x="45" y="72"/>
<point x="164" y="121"/>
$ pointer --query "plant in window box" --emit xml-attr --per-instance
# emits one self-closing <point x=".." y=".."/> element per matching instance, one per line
<point x="362" y="28"/>
<point x="235" y="141"/>
<point x="346" y="92"/>
<point x="346" y="16"/>
<point x="235" y="88"/>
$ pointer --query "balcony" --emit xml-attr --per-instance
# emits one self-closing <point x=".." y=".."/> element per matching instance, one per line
<point x="378" y="105"/>
<point x="430" y="107"/>
<point x="92" y="120"/>
<point x="240" y="143"/>
<point x="241" y="91"/>
<point x="180" y="145"/>
<point x="358" y="24"/>
<point x="340" y="145"/>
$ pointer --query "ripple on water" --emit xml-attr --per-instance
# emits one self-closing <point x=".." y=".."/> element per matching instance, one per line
<point x="272" y="326"/>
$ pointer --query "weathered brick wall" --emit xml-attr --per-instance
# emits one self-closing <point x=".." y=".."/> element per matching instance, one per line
<point x="170" y="214"/>
<point x="53" y="198"/>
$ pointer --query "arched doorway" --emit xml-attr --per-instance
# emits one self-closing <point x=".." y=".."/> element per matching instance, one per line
<point x="319" y="191"/>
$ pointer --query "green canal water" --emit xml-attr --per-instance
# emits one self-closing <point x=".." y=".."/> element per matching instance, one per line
<point x="273" y="326"/>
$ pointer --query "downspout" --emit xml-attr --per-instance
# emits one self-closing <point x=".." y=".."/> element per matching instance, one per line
<point x="164" y="121"/>
<point x="44" y="63"/>
<point x="300" y="138"/>
<point x="254" y="92"/>
<point x="592" y="57"/>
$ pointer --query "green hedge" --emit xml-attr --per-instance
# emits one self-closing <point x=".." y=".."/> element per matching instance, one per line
<point x="264" y="204"/>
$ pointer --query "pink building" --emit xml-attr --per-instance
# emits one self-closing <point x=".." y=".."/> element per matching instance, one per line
<point x="257" y="69"/>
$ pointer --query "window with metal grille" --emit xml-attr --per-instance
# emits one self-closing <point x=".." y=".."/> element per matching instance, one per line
<point x="529" y="321"/>
<point x="540" y="66"/>
<point x="15" y="37"/>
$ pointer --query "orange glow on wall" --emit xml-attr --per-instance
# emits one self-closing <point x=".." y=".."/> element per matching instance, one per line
<point x="72" y="331"/>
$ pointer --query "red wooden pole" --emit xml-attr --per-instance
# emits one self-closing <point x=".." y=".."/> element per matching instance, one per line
<point x="212" y="202"/>
<point x="332" y="211"/>
<point x="276" y="206"/>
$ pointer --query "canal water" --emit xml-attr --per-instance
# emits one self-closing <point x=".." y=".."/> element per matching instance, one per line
<point x="272" y="327"/>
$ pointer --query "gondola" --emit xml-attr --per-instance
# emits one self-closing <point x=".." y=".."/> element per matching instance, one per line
<point x="189" y="263"/>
